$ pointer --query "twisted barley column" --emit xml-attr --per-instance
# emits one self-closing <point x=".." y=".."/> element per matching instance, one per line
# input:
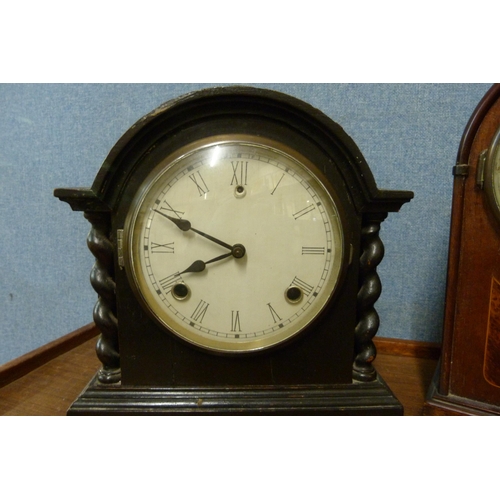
<point x="102" y="280"/>
<point x="370" y="289"/>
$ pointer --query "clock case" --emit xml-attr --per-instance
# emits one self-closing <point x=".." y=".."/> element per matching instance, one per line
<point x="467" y="381"/>
<point x="327" y="369"/>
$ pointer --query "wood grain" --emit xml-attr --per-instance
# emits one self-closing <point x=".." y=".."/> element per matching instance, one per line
<point x="409" y="379"/>
<point x="52" y="387"/>
<point x="412" y="348"/>
<point x="473" y="263"/>
<point x="28" y="362"/>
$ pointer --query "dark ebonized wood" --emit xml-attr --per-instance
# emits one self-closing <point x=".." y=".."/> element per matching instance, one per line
<point x="146" y="369"/>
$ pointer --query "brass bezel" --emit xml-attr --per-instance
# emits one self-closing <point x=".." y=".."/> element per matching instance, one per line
<point x="131" y="233"/>
<point x="491" y="172"/>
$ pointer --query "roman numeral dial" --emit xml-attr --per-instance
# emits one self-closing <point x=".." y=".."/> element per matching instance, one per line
<point x="304" y="211"/>
<point x="161" y="247"/>
<point x="200" y="183"/>
<point x="240" y="172"/>
<point x="234" y="245"/>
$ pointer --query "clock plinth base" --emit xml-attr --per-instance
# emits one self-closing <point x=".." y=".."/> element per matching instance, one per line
<point x="438" y="404"/>
<point x="358" y="398"/>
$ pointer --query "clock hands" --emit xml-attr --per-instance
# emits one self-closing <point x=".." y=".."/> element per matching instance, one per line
<point x="185" y="225"/>
<point x="182" y="224"/>
<point x="198" y="265"/>
<point x="237" y="251"/>
<point x="180" y="291"/>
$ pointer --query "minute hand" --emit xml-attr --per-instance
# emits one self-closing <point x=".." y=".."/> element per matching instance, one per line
<point x="211" y="238"/>
<point x="185" y="225"/>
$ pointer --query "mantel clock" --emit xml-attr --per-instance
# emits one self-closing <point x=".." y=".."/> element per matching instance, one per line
<point x="468" y="379"/>
<point x="235" y="232"/>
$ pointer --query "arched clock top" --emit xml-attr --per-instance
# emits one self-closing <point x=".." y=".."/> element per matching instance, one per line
<point x="223" y="109"/>
<point x="475" y="121"/>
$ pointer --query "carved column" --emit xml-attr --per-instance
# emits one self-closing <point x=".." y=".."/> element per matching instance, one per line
<point x="102" y="280"/>
<point x="370" y="288"/>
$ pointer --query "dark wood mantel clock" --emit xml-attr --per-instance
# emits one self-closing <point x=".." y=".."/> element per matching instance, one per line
<point x="468" y="379"/>
<point x="236" y="236"/>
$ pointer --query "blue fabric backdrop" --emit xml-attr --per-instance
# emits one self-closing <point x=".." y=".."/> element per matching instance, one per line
<point x="58" y="135"/>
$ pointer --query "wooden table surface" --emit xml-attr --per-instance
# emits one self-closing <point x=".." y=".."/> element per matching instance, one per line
<point x="51" y="388"/>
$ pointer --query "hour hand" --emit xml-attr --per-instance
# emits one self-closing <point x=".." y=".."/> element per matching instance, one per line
<point x="198" y="265"/>
<point x="237" y="251"/>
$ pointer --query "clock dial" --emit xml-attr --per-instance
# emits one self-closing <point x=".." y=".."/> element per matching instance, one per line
<point x="492" y="174"/>
<point x="235" y="243"/>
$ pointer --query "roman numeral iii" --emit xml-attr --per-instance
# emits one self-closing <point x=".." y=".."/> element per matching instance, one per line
<point x="313" y="250"/>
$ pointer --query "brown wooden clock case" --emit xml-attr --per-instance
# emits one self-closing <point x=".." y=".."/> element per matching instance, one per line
<point x="324" y="369"/>
<point x="468" y="379"/>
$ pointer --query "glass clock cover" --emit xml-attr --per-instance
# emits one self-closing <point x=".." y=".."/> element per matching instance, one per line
<point x="492" y="174"/>
<point x="235" y="243"/>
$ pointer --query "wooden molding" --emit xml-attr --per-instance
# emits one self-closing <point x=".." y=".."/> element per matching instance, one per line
<point x="412" y="348"/>
<point x="28" y="362"/>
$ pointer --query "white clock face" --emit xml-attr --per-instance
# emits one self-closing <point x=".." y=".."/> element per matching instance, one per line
<point x="492" y="174"/>
<point x="234" y="244"/>
<point x="496" y="172"/>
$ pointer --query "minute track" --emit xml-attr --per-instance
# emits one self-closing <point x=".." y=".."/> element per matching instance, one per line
<point x="284" y="214"/>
